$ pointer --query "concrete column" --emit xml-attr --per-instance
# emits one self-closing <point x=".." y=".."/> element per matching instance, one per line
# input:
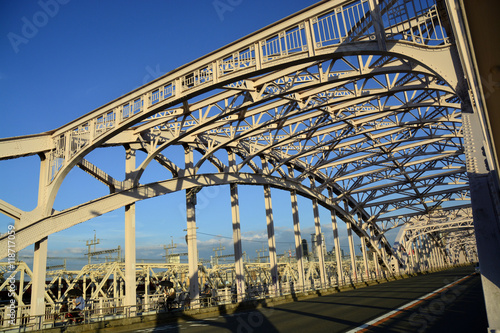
<point x="375" y="255"/>
<point x="354" y="273"/>
<point x="363" y="250"/>
<point x="38" y="284"/>
<point x="238" y="252"/>
<point x="194" y="288"/>
<point x="271" y="240"/>
<point x="376" y="265"/>
<point x="298" y="240"/>
<point x="430" y="258"/>
<point x="421" y="254"/>
<point x="411" y="255"/>
<point x="352" y="252"/>
<point x="338" y="250"/>
<point x="417" y="254"/>
<point x="40" y="248"/>
<point x="365" y="257"/>
<point x="146" y="290"/>
<point x="319" y="243"/>
<point x="130" y="274"/>
<point x="434" y="255"/>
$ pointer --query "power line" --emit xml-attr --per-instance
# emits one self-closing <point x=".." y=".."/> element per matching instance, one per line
<point x="246" y="240"/>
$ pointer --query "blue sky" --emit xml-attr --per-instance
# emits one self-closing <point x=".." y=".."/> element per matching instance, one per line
<point x="62" y="59"/>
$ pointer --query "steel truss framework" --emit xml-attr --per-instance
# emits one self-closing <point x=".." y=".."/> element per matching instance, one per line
<point x="356" y="105"/>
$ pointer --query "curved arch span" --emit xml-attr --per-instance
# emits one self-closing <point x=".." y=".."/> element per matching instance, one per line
<point x="27" y="235"/>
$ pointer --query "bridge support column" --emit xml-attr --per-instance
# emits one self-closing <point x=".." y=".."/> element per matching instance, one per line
<point x="430" y="257"/>
<point x="40" y="250"/>
<point x="194" y="287"/>
<point x="238" y="252"/>
<point x="365" y="258"/>
<point x="416" y="255"/>
<point x="376" y="265"/>
<point x="146" y="289"/>
<point x="354" y="273"/>
<point x="411" y="254"/>
<point x="421" y="254"/>
<point x="363" y="250"/>
<point x="298" y="240"/>
<point x="336" y="243"/>
<point x="319" y="242"/>
<point x="130" y="274"/>
<point x="271" y="240"/>
<point x="38" y="284"/>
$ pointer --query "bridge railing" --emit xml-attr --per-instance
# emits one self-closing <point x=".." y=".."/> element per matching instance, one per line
<point x="100" y="309"/>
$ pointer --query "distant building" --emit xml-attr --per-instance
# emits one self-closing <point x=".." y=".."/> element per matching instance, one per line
<point x="305" y="250"/>
<point x="313" y="244"/>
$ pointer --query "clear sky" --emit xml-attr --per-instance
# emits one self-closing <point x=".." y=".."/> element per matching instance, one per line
<point x="62" y="59"/>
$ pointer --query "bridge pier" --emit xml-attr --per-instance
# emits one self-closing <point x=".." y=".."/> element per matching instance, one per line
<point x="298" y="239"/>
<point x="130" y="255"/>
<point x="336" y="243"/>
<point x="238" y="252"/>
<point x="352" y="252"/>
<point x="271" y="241"/>
<point x="319" y="241"/>
<point x="194" y="288"/>
<point x="363" y="250"/>
<point x="38" y="284"/>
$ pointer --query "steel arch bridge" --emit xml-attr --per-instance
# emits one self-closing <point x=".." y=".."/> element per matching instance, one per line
<point x="360" y="106"/>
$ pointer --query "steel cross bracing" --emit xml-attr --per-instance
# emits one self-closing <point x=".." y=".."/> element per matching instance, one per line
<point x="360" y="97"/>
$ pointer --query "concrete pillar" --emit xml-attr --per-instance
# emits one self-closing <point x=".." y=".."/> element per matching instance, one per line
<point x="421" y="254"/>
<point x="411" y="255"/>
<point x="194" y="288"/>
<point x="319" y="243"/>
<point x="298" y="240"/>
<point x="271" y="240"/>
<point x="130" y="274"/>
<point x="40" y="248"/>
<point x="363" y="250"/>
<point x="238" y="252"/>
<point x="38" y="285"/>
<point x="352" y="252"/>
<point x="354" y="273"/>
<point x="428" y="251"/>
<point x="146" y="290"/>
<point x="376" y="265"/>
<point x="336" y="242"/>
<point x="416" y="254"/>
<point x="365" y="257"/>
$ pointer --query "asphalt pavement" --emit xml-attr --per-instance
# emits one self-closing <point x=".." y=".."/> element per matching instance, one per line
<point x="457" y="308"/>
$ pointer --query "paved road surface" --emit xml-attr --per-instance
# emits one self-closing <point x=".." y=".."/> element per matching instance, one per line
<point x="459" y="308"/>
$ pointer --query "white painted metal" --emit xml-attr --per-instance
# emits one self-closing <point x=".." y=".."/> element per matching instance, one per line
<point x="364" y="97"/>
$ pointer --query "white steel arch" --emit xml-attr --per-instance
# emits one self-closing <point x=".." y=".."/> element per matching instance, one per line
<point x="353" y="104"/>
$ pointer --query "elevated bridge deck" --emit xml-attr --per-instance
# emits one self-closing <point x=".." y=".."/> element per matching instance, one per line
<point x="420" y="304"/>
